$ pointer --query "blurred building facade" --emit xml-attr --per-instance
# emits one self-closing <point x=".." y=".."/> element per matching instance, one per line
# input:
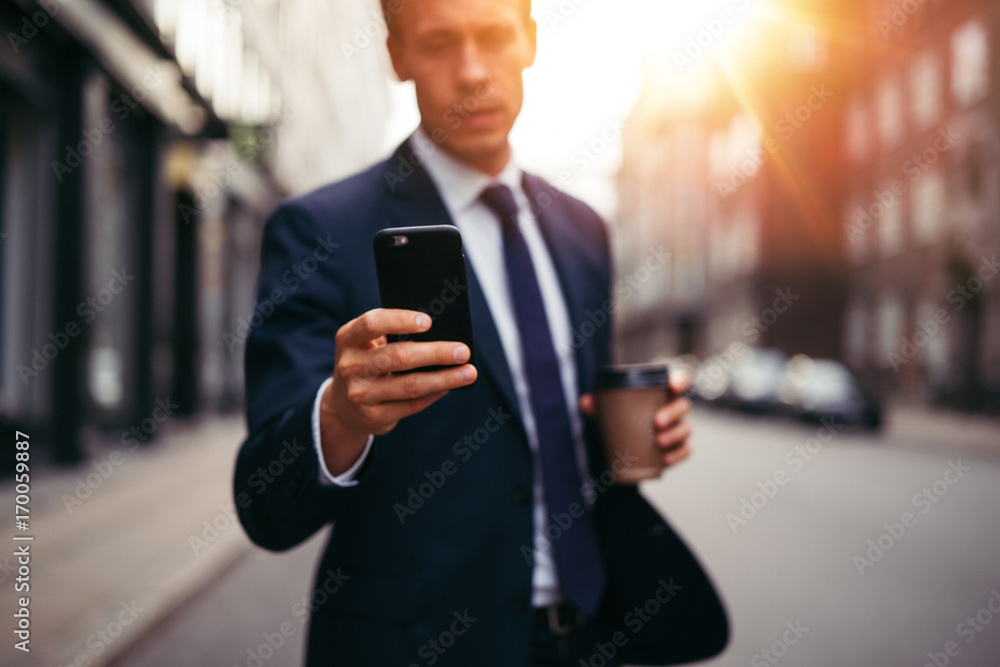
<point x="142" y="145"/>
<point x="831" y="194"/>
<point x="922" y="211"/>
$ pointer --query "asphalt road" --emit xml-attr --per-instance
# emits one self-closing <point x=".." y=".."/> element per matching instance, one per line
<point x="830" y="547"/>
<point x="798" y="553"/>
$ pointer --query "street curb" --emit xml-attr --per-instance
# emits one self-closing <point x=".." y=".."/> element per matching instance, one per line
<point x="164" y="595"/>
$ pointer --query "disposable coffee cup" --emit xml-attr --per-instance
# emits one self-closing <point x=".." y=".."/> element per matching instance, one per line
<point x="627" y="397"/>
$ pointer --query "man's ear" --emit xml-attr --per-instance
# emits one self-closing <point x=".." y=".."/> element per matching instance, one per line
<point x="396" y="56"/>
<point x="531" y="30"/>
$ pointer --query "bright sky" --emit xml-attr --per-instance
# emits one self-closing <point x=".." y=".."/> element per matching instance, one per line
<point x="587" y="74"/>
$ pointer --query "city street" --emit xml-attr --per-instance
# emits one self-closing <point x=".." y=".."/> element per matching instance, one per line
<point x="796" y="203"/>
<point x="850" y="549"/>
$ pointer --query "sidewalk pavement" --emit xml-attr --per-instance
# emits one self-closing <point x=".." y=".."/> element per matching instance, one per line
<point x="925" y="427"/>
<point x="121" y="540"/>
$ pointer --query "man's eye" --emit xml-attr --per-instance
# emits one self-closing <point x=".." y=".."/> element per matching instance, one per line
<point x="495" y="37"/>
<point x="438" y="44"/>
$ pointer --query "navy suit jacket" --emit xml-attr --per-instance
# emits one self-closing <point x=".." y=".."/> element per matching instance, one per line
<point x="429" y="560"/>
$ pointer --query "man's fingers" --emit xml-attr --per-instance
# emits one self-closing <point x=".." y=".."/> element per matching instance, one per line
<point x="383" y="417"/>
<point x="673" y="437"/>
<point x="677" y="454"/>
<point x="396" y="410"/>
<point x="407" y="355"/>
<point x="671" y="413"/>
<point x="679" y="382"/>
<point x="377" y="322"/>
<point x="411" y="386"/>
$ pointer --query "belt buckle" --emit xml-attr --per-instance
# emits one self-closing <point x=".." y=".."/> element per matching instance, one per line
<point x="555" y="626"/>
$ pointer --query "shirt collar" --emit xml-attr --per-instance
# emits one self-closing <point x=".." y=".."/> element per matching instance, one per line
<point x="459" y="184"/>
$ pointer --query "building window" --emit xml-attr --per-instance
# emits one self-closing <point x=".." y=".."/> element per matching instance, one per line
<point x="856" y="335"/>
<point x="858" y="129"/>
<point x="806" y="47"/>
<point x="928" y="206"/>
<point x="970" y="62"/>
<point x="745" y="238"/>
<point x="990" y="341"/>
<point x="890" y="226"/>
<point x="744" y="137"/>
<point x="890" y="328"/>
<point x="718" y="159"/>
<point x="926" y="75"/>
<point x="890" y="111"/>
<point x="717" y="251"/>
<point x="857" y="227"/>
<point x="689" y="142"/>
<point x="934" y="354"/>
<point x="689" y="276"/>
<point x="973" y="167"/>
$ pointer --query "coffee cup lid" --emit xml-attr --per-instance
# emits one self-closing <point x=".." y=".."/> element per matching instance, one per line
<point x="633" y="376"/>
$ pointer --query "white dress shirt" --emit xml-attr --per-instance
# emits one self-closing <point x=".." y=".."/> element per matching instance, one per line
<point x="460" y="187"/>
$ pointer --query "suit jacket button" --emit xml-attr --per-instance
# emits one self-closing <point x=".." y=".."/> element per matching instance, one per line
<point x="518" y="603"/>
<point x="522" y="494"/>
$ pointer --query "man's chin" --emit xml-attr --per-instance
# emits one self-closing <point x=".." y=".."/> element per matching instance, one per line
<point x="478" y="150"/>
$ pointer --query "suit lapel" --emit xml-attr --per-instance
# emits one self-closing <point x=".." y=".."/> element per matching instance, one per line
<point x="416" y="202"/>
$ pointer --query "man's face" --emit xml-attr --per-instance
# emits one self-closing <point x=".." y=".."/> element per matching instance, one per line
<point x="465" y="58"/>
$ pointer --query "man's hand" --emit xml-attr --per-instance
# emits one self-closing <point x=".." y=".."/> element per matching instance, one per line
<point x="672" y="432"/>
<point x="364" y="398"/>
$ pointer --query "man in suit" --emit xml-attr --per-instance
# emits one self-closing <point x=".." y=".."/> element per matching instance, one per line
<point x="473" y="527"/>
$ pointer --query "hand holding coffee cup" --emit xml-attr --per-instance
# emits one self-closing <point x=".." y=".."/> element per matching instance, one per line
<point x="641" y="410"/>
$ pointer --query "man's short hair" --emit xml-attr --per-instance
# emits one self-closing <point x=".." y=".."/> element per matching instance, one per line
<point x="390" y="8"/>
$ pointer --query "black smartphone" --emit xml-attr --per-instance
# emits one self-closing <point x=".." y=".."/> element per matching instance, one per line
<point x="423" y="269"/>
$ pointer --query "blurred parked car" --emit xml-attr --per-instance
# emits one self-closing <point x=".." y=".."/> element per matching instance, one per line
<point x="754" y="379"/>
<point x="826" y="389"/>
<point x="710" y="380"/>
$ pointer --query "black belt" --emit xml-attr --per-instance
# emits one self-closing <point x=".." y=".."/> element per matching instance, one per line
<point x="560" y="618"/>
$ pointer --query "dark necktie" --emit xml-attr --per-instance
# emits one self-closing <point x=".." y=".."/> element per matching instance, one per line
<point x="581" y="575"/>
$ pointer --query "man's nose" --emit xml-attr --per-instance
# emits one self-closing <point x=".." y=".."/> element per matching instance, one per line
<point x="472" y="69"/>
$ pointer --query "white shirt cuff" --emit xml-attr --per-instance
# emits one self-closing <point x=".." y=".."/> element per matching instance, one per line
<point x="325" y="478"/>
